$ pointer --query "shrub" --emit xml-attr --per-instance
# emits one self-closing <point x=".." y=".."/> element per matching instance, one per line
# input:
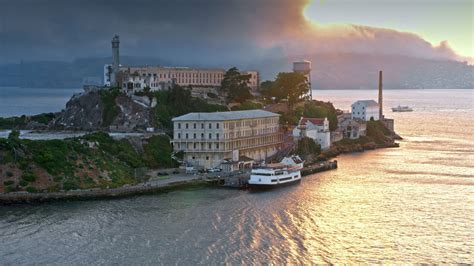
<point x="8" y="173"/>
<point x="110" y="109"/>
<point x="24" y="183"/>
<point x="70" y="184"/>
<point x="307" y="146"/>
<point x="10" y="188"/>
<point x="31" y="190"/>
<point x="28" y="176"/>
<point x="8" y="182"/>
<point x="248" y="106"/>
<point x="158" y="152"/>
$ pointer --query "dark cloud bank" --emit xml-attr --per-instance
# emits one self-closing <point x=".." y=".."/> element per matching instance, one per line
<point x="262" y="34"/>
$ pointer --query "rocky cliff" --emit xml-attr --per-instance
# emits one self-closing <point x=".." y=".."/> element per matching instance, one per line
<point x="110" y="110"/>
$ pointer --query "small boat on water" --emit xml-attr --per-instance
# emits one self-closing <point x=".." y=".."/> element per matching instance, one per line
<point x="402" y="109"/>
<point x="272" y="175"/>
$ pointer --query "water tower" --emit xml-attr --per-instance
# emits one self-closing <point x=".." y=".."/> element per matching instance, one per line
<point x="304" y="67"/>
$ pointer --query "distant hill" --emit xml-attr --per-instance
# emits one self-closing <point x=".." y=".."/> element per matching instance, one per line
<point x="330" y="71"/>
<point x="360" y="71"/>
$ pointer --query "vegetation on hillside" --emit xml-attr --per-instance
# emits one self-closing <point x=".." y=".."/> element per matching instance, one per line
<point x="110" y="109"/>
<point x="248" y="105"/>
<point x="307" y="147"/>
<point x="311" y="109"/>
<point x="175" y="102"/>
<point x="93" y="161"/>
<point x="20" y="122"/>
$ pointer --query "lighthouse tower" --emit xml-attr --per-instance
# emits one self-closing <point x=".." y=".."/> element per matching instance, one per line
<point x="115" y="61"/>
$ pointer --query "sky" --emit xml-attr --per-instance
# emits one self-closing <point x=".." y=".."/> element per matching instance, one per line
<point x="222" y="32"/>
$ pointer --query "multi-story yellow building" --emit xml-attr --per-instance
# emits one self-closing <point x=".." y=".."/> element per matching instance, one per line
<point x="157" y="77"/>
<point x="208" y="139"/>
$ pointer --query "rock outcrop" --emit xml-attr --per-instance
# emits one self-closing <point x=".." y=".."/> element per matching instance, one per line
<point x="85" y="111"/>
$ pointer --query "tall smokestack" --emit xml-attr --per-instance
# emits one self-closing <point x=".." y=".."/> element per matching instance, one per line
<point x="115" y="61"/>
<point x="380" y="96"/>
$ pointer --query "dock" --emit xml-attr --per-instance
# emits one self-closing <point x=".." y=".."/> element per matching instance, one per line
<point x="240" y="180"/>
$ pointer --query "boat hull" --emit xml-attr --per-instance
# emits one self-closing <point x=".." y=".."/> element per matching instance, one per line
<point x="274" y="181"/>
<point x="268" y="187"/>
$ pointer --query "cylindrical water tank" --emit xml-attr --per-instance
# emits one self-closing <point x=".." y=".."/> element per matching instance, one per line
<point x="302" y="66"/>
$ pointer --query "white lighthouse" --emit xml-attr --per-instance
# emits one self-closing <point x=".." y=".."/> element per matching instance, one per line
<point x="304" y="67"/>
<point x="115" y="61"/>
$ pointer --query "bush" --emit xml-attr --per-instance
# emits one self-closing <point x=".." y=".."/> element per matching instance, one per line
<point x="8" y="173"/>
<point x="57" y="156"/>
<point x="307" y="146"/>
<point x="158" y="152"/>
<point x="248" y="106"/>
<point x="110" y="109"/>
<point x="10" y="188"/>
<point x="23" y="183"/>
<point x="8" y="182"/>
<point x="31" y="190"/>
<point x="70" y="184"/>
<point x="28" y="176"/>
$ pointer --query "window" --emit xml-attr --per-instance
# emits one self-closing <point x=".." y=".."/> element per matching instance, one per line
<point x="179" y="135"/>
<point x="217" y="136"/>
<point x="217" y="125"/>
<point x="209" y="146"/>
<point x="187" y="136"/>
<point x="210" y="136"/>
<point x="194" y="145"/>
<point x="202" y="125"/>
<point x="194" y="125"/>
<point x="194" y="135"/>
<point x="194" y="157"/>
<point x="179" y="125"/>
<point x="187" y="125"/>
<point x="210" y="126"/>
<point x="207" y="157"/>
<point x="202" y="135"/>
<point x="217" y="145"/>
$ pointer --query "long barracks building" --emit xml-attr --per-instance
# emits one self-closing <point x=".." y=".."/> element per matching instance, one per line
<point x="157" y="77"/>
<point x="207" y="139"/>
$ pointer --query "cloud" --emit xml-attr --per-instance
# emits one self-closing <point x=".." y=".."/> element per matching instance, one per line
<point x="211" y="32"/>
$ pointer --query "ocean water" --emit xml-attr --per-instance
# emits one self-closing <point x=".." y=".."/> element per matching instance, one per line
<point x="30" y="101"/>
<point x="413" y="204"/>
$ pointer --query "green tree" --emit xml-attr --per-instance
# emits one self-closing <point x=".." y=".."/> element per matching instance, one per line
<point x="235" y="85"/>
<point x="267" y="89"/>
<point x="291" y="86"/>
<point x="307" y="146"/>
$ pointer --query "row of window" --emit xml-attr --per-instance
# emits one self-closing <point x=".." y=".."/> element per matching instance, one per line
<point x="195" y="146"/>
<point x="195" y="125"/>
<point x="185" y="75"/>
<point x="195" y="136"/>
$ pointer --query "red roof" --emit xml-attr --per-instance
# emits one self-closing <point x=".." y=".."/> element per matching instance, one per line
<point x="314" y="121"/>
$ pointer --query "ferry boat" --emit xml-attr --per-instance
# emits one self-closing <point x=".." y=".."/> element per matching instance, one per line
<point x="272" y="175"/>
<point x="402" y="109"/>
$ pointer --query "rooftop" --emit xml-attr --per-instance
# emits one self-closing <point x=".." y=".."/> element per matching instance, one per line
<point x="367" y="102"/>
<point x="221" y="116"/>
<point x="314" y="121"/>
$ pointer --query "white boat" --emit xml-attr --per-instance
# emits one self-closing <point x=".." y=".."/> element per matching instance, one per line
<point x="402" y="109"/>
<point x="271" y="175"/>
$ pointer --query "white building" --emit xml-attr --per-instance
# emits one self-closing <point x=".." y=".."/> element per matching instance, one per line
<point x="209" y="139"/>
<point x="365" y="110"/>
<point x="162" y="77"/>
<point x="316" y="129"/>
<point x="107" y="74"/>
